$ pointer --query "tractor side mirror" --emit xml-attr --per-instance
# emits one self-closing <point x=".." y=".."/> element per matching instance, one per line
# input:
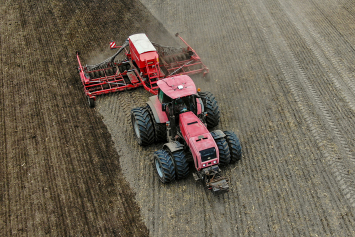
<point x="163" y="107"/>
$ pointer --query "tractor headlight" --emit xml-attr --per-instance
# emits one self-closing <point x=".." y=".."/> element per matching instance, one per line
<point x="204" y="165"/>
<point x="215" y="162"/>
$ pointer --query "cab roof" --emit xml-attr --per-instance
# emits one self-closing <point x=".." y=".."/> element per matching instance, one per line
<point x="141" y="43"/>
<point x="177" y="86"/>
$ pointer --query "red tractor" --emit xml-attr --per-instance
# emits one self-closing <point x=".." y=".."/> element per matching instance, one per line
<point x="177" y="113"/>
<point x="181" y="115"/>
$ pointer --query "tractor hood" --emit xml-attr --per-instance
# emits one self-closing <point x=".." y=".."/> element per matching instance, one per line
<point x="199" y="139"/>
<point x="204" y="150"/>
<point x="177" y="86"/>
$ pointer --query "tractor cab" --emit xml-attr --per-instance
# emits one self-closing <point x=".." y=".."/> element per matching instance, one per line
<point x="178" y="95"/>
<point x="177" y="87"/>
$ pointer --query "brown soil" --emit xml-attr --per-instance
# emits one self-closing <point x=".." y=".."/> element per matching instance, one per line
<point x="282" y="72"/>
<point x="60" y="174"/>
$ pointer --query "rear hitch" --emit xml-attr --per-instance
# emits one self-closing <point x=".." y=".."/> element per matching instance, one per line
<point x="213" y="179"/>
<point x="218" y="185"/>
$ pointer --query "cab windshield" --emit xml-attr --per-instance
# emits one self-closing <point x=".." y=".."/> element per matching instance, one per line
<point x="163" y="98"/>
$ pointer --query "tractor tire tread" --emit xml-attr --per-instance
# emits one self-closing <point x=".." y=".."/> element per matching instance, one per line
<point x="145" y="125"/>
<point x="224" y="152"/>
<point x="212" y="109"/>
<point x="181" y="164"/>
<point x="160" y="132"/>
<point x="234" y="146"/>
<point x="159" y="128"/>
<point x="167" y="166"/>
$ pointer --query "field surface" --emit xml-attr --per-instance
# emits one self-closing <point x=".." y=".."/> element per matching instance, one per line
<point x="282" y="72"/>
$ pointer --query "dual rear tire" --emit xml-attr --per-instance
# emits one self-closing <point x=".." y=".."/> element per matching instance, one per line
<point x="234" y="146"/>
<point x="146" y="129"/>
<point x="142" y="126"/>
<point x="164" y="165"/>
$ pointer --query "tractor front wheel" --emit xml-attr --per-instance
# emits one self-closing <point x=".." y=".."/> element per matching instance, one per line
<point x="142" y="126"/>
<point x="181" y="164"/>
<point x="211" y="107"/>
<point x="234" y="146"/>
<point x="164" y="166"/>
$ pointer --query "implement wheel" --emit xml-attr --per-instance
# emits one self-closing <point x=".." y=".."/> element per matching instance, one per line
<point x="164" y="166"/>
<point x="234" y="146"/>
<point x="224" y="153"/>
<point x="211" y="107"/>
<point x="142" y="126"/>
<point x="91" y="102"/>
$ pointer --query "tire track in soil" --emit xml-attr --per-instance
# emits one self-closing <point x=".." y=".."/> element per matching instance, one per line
<point x="336" y="63"/>
<point x="339" y="76"/>
<point x="267" y="143"/>
<point x="264" y="144"/>
<point x="341" y="57"/>
<point x="303" y="74"/>
<point x="340" y="163"/>
<point x="252" y="176"/>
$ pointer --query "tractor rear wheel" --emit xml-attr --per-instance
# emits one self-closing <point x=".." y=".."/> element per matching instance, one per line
<point x="164" y="166"/>
<point x="181" y="165"/>
<point x="234" y="146"/>
<point x="159" y="128"/>
<point x="224" y="153"/>
<point x="212" y="109"/>
<point x="142" y="126"/>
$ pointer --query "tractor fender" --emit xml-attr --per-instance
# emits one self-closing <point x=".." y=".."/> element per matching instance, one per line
<point x="173" y="146"/>
<point x="217" y="134"/>
<point x="154" y="111"/>
<point x="200" y="107"/>
<point x="156" y="107"/>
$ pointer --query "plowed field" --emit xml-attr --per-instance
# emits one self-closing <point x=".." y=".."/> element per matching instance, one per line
<point x="282" y="72"/>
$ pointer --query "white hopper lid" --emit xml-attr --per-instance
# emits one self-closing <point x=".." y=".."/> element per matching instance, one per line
<point x="142" y="43"/>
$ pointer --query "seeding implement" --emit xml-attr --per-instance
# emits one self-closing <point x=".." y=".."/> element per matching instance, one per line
<point x="143" y="65"/>
<point x="177" y="113"/>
